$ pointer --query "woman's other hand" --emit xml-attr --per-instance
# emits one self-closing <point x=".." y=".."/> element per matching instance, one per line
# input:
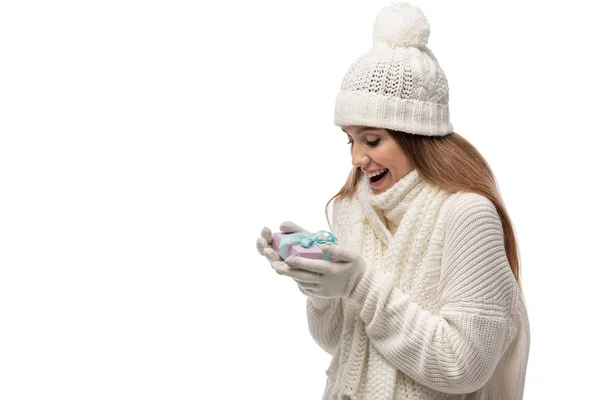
<point x="324" y="278"/>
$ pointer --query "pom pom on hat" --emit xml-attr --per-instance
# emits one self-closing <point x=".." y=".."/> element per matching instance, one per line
<point x="401" y="25"/>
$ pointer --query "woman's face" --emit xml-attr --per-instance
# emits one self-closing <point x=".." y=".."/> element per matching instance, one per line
<point x="374" y="149"/>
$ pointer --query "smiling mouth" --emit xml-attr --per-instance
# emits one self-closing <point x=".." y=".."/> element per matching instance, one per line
<point x="379" y="177"/>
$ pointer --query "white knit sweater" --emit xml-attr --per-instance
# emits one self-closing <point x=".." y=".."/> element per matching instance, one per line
<point x="438" y="314"/>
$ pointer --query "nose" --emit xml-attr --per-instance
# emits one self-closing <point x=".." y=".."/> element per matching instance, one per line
<point x="359" y="158"/>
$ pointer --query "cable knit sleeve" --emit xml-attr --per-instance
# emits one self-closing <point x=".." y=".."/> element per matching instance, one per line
<point x="325" y="316"/>
<point x="457" y="350"/>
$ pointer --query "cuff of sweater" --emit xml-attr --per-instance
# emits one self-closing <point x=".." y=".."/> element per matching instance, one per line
<point x="373" y="290"/>
<point x="321" y="303"/>
<point x="370" y="282"/>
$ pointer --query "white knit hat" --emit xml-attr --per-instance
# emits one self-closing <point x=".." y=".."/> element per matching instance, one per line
<point x="399" y="84"/>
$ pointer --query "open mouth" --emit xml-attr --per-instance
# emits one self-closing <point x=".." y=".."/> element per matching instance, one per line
<point x="379" y="177"/>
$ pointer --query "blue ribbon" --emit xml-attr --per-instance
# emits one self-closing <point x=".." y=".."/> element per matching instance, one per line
<point x="307" y="241"/>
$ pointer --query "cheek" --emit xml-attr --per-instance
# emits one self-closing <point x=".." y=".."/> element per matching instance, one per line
<point x="387" y="156"/>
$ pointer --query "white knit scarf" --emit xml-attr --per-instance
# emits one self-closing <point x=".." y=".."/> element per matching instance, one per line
<point x="412" y="256"/>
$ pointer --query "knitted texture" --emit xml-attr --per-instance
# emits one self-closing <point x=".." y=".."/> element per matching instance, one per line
<point x="398" y="84"/>
<point x="438" y="313"/>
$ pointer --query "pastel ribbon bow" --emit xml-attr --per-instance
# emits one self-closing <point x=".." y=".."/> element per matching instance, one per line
<point x="307" y="241"/>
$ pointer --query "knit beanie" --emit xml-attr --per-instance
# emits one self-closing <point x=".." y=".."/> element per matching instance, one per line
<point x="398" y="84"/>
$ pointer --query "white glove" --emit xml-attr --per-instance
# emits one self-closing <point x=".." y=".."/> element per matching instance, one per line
<point x="263" y="245"/>
<point x="324" y="278"/>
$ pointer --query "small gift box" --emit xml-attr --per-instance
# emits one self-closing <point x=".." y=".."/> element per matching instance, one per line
<point x="303" y="244"/>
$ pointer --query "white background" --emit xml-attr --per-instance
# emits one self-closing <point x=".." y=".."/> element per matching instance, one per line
<point x="144" y="145"/>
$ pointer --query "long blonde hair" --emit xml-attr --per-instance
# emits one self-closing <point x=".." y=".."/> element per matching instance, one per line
<point x="452" y="163"/>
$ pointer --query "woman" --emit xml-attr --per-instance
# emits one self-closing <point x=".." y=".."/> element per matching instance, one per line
<point x="424" y="301"/>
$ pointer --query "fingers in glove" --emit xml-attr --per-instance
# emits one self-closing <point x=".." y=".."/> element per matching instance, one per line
<point x="307" y="291"/>
<point x="308" y="264"/>
<point x="307" y="285"/>
<point x="297" y="274"/>
<point x="302" y="290"/>
<point x="267" y="235"/>
<point x="272" y="255"/>
<point x="300" y="275"/>
<point x="291" y="227"/>
<point x="261" y="245"/>
<point x="280" y="267"/>
<point x="338" y="252"/>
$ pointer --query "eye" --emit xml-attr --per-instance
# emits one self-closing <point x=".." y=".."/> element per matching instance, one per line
<point x="371" y="144"/>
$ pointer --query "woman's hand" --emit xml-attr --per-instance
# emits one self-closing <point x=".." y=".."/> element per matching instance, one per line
<point x="263" y="245"/>
<point x="325" y="278"/>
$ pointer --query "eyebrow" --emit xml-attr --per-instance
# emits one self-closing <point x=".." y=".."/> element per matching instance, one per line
<point x="362" y="129"/>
